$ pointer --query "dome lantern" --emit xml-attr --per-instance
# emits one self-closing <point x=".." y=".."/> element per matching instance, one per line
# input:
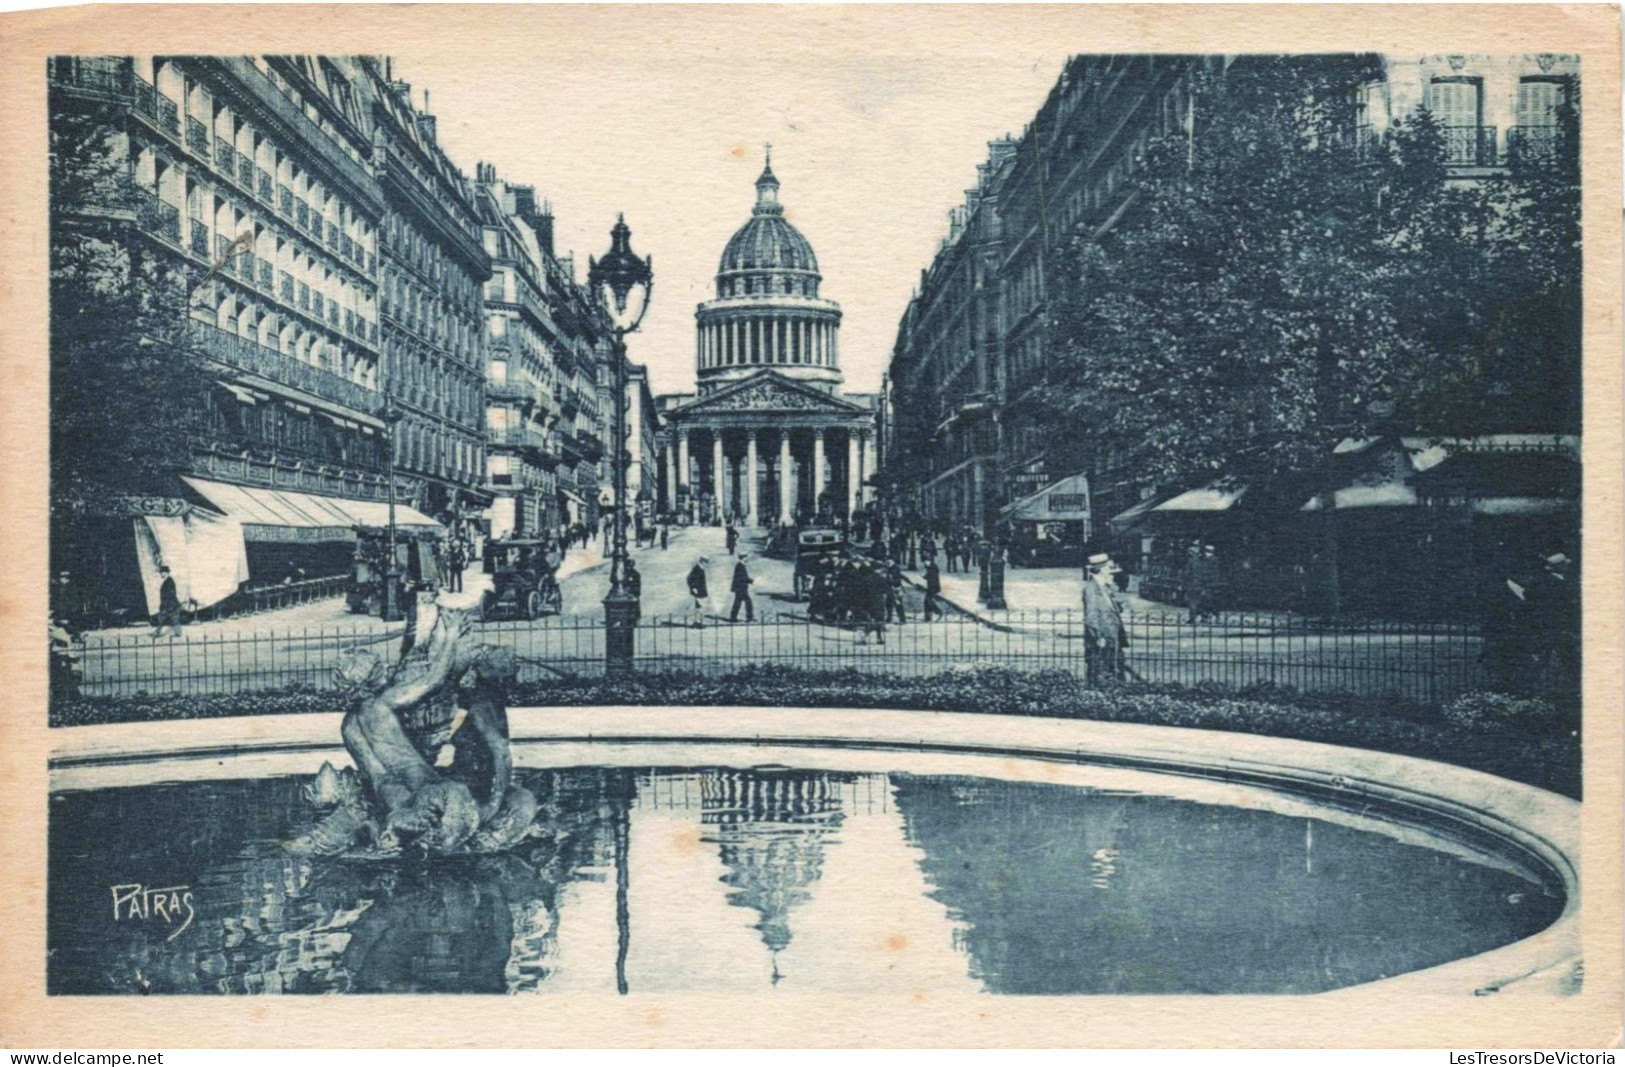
<point x="767" y="189"/>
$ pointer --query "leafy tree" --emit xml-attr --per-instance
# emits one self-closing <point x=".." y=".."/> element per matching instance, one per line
<point x="1281" y="283"/>
<point x="125" y="388"/>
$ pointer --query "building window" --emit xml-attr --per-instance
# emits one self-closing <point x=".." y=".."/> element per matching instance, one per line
<point x="1536" y="133"/>
<point x="1457" y="105"/>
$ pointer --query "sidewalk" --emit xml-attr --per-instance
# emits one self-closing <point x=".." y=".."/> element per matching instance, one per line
<point x="331" y="613"/>
<point x="1029" y="589"/>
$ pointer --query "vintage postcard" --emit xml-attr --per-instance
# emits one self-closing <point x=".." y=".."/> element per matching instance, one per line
<point x="813" y="525"/>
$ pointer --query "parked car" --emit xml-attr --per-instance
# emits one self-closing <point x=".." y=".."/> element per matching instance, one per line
<point x="814" y="549"/>
<point x="524" y="583"/>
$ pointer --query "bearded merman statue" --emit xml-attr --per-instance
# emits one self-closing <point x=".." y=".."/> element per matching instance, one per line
<point x="447" y="689"/>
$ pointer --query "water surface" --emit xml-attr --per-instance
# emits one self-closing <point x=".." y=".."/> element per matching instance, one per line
<point x="713" y="880"/>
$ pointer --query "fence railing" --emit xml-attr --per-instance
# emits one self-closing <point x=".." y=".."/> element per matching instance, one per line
<point x="1418" y="662"/>
<point x="1470" y="146"/>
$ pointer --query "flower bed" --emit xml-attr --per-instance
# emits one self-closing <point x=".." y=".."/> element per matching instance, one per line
<point x="1510" y="740"/>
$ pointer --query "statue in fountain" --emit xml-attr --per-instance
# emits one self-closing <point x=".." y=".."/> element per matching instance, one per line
<point x="446" y="689"/>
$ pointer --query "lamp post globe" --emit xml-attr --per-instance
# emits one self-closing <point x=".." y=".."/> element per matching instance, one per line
<point x="624" y="281"/>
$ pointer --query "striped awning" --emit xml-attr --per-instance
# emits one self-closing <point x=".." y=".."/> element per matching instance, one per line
<point x="282" y="514"/>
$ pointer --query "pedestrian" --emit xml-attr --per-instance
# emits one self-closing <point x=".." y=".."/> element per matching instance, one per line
<point x="64" y="661"/>
<point x="894" y="592"/>
<point x="634" y="584"/>
<point x="1554" y="603"/>
<point x="665" y="533"/>
<point x="699" y="592"/>
<point x="1509" y="640"/>
<point x="870" y="609"/>
<point x="457" y="560"/>
<point x="933" y="589"/>
<point x="741" y="591"/>
<point x="950" y="551"/>
<point x="1105" y="637"/>
<point x="730" y="537"/>
<point x="1202" y="583"/>
<point x="169" y="606"/>
<point x="409" y="610"/>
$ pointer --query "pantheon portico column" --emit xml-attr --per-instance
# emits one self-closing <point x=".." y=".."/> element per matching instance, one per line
<point x="717" y="472"/>
<point x="750" y="481"/>
<point x="818" y="468"/>
<point x="671" y="478"/>
<point x="785" y="484"/>
<point x="851" y="472"/>
<point x="863" y="464"/>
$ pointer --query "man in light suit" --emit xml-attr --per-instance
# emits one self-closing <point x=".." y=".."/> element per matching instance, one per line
<point x="1105" y="637"/>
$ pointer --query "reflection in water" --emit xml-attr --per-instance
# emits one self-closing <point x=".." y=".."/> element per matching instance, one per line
<point x="771" y="830"/>
<point x="735" y="880"/>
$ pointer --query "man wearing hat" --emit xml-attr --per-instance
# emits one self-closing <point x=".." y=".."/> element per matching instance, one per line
<point x="741" y="591"/>
<point x="1104" y="635"/>
<point x="698" y="590"/>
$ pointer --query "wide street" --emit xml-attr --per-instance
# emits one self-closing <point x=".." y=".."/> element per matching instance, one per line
<point x="301" y="645"/>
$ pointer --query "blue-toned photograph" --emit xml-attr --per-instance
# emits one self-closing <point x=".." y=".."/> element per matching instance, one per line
<point x="1056" y="524"/>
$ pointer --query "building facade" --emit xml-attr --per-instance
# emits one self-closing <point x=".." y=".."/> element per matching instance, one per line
<point x="970" y="362"/>
<point x="333" y="273"/>
<point x="972" y="356"/>
<point x="767" y="437"/>
<point x="521" y="371"/>
<point x="432" y="268"/>
<point x="642" y="447"/>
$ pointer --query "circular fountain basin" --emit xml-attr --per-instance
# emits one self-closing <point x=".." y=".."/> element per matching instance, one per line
<point x="741" y="850"/>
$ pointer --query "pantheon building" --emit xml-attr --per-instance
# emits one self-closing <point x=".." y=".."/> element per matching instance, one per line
<point x="767" y="436"/>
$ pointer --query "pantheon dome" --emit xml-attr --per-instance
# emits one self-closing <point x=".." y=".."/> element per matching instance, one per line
<point x="767" y="313"/>
<point x="767" y="438"/>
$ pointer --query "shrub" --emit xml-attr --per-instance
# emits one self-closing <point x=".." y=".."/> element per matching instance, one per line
<point x="1488" y="732"/>
<point x="1481" y="709"/>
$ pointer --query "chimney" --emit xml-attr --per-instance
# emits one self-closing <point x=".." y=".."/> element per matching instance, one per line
<point x="402" y="91"/>
<point x="543" y="224"/>
<point x="426" y="127"/>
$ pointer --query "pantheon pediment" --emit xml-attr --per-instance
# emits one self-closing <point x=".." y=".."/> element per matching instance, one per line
<point x="767" y="393"/>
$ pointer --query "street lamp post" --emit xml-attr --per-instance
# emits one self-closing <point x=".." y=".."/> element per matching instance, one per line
<point x="390" y="609"/>
<point x="625" y="282"/>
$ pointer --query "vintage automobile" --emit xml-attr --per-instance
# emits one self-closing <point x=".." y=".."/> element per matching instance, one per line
<point x="523" y="582"/>
<point x="815" y="549"/>
<point x="415" y="561"/>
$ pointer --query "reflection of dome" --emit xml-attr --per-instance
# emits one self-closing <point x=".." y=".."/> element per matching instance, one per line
<point x="771" y="829"/>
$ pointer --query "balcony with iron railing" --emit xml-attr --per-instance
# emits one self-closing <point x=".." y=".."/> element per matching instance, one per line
<point x="158" y="216"/>
<point x="526" y="436"/>
<point x="116" y="78"/>
<point x="197" y="137"/>
<point x="509" y="391"/>
<point x="1470" y="146"/>
<point x="245" y="171"/>
<point x="200" y="238"/>
<point x="267" y="188"/>
<point x="1534" y="144"/>
<point x="247" y="355"/>
<point x="225" y="159"/>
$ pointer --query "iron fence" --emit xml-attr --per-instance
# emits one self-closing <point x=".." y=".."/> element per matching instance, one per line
<point x="1429" y="663"/>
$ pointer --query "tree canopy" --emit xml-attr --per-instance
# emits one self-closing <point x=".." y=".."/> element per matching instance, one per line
<point x="1281" y="281"/>
<point x="125" y="387"/>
